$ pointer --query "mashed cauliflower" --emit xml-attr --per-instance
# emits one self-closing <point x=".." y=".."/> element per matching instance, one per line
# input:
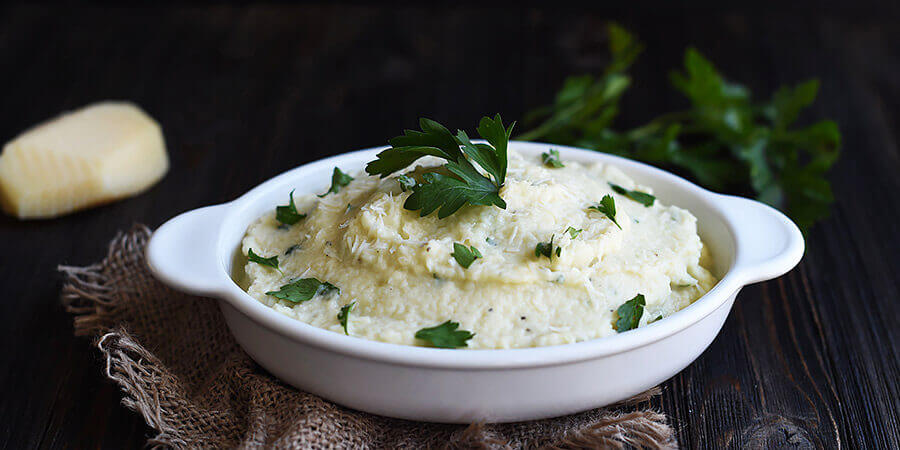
<point x="398" y="267"/>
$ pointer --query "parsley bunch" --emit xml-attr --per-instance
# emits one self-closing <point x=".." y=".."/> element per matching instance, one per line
<point x="724" y="139"/>
<point x="461" y="183"/>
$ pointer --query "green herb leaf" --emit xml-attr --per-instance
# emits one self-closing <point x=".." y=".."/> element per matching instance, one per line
<point x="608" y="207"/>
<point x="638" y="196"/>
<point x="573" y="233"/>
<point x="547" y="249"/>
<point x="269" y="262"/>
<point x="630" y="314"/>
<point x="303" y="289"/>
<point x="551" y="159"/>
<point x="344" y="315"/>
<point x="451" y="193"/>
<point x="465" y="256"/>
<point x="724" y="140"/>
<point x="338" y="180"/>
<point x="406" y="182"/>
<point x="291" y="249"/>
<point x="287" y="214"/>
<point x="461" y="183"/>
<point x="445" y="335"/>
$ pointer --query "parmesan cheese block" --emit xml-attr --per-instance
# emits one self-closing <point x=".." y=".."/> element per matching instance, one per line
<point x="100" y="153"/>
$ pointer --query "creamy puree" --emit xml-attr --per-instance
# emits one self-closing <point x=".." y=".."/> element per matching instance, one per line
<point x="398" y="266"/>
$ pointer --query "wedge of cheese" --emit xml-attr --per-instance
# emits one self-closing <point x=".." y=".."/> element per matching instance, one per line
<point x="97" y="154"/>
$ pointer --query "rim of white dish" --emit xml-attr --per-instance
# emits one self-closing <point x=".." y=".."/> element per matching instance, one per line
<point x="484" y="359"/>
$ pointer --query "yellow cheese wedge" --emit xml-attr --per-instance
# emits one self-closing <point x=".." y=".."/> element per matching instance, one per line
<point x="97" y="154"/>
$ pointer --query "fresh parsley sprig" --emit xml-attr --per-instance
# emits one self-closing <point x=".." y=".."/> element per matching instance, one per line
<point x="725" y="140"/>
<point x="629" y="314"/>
<point x="607" y="206"/>
<point x="445" y="335"/>
<point x="460" y="183"/>
<point x="303" y="289"/>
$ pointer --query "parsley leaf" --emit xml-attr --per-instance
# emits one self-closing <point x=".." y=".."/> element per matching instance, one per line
<point x="725" y="139"/>
<point x="303" y="289"/>
<point x="269" y="262"/>
<point x="638" y="196"/>
<point x="630" y="314"/>
<point x="451" y="193"/>
<point x="445" y="335"/>
<point x="338" y="180"/>
<point x="546" y="249"/>
<point x="573" y="233"/>
<point x="465" y="256"/>
<point x="406" y="182"/>
<point x="287" y="214"/>
<point x="607" y="206"/>
<point x="460" y="183"/>
<point x="551" y="159"/>
<point x="344" y="315"/>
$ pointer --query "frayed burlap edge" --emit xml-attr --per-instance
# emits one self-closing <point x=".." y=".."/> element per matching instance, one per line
<point x="94" y="296"/>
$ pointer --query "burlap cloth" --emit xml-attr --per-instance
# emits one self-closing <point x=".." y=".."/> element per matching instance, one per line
<point x="178" y="366"/>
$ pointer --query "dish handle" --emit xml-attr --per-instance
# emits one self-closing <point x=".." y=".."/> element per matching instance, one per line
<point x="768" y="244"/>
<point x="182" y="253"/>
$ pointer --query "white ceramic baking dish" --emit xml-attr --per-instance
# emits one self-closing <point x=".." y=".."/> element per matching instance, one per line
<point x="750" y="242"/>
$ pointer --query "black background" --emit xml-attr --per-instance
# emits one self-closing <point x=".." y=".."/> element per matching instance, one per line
<point x="246" y="92"/>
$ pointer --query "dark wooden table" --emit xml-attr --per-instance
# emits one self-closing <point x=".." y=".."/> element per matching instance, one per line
<point x="808" y="360"/>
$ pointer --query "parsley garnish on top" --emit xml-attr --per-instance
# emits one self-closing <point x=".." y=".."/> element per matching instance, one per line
<point x="607" y="206"/>
<point x="303" y="289"/>
<point x="269" y="262"/>
<point x="445" y="335"/>
<point x="344" y="315"/>
<point x="459" y="182"/>
<point x="725" y="139"/>
<point x="630" y="313"/>
<point x="287" y="214"/>
<point x="551" y="159"/>
<point x="546" y="249"/>
<point x="573" y="232"/>
<point x="338" y="180"/>
<point x="465" y="256"/>
<point x="638" y="196"/>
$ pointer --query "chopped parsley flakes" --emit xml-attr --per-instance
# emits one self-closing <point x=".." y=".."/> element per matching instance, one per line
<point x="608" y="207"/>
<point x="445" y="335"/>
<point x="287" y="214"/>
<point x="344" y="315"/>
<point x="338" y="180"/>
<point x="303" y="289"/>
<point x="465" y="256"/>
<point x="551" y="159"/>
<point x="630" y="313"/>
<point x="638" y="196"/>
